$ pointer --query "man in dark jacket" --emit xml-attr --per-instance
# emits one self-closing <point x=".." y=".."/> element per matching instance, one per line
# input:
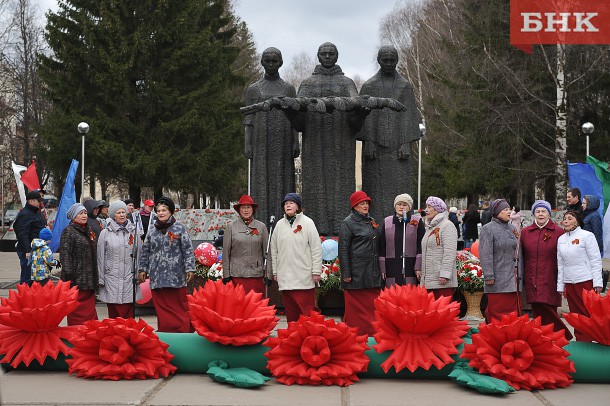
<point x="573" y="198"/>
<point x="27" y="225"/>
<point x="93" y="210"/>
<point x="485" y="213"/>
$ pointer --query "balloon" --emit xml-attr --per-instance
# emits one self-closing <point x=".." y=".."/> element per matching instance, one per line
<point x="206" y="254"/>
<point x="330" y="250"/>
<point x="146" y="292"/>
<point x="474" y="248"/>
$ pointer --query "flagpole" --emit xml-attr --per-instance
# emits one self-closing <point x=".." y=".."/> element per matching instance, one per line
<point x="83" y="128"/>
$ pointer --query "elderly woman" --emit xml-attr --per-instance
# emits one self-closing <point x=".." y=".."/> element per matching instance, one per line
<point x="579" y="265"/>
<point x="403" y="229"/>
<point x="77" y="256"/>
<point x="243" y="248"/>
<point x="539" y="252"/>
<point x="296" y="255"/>
<point x="359" y="259"/>
<point x="167" y="258"/>
<point x="439" y="246"/>
<point x="498" y="248"/>
<point x="115" y="247"/>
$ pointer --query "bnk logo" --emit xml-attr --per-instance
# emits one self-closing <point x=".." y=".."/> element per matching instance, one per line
<point x="559" y="22"/>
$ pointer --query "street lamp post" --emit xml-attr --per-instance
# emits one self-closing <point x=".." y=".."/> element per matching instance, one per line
<point x="83" y="128"/>
<point x="587" y="129"/>
<point x="422" y="131"/>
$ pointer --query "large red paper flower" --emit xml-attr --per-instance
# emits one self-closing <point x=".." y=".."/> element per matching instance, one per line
<point x="227" y="315"/>
<point x="119" y="349"/>
<point x="420" y="330"/>
<point x="597" y="325"/>
<point x="314" y="351"/>
<point x="522" y="352"/>
<point x="29" y="322"/>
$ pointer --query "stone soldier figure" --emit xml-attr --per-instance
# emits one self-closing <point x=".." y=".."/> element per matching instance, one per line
<point x="329" y="145"/>
<point x="270" y="143"/>
<point x="387" y="136"/>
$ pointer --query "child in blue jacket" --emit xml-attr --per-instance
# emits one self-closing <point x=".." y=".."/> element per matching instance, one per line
<point x="41" y="258"/>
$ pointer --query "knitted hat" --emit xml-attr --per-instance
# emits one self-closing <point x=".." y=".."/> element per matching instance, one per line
<point x="405" y="198"/>
<point x="293" y="197"/>
<point x="74" y="210"/>
<point x="166" y="201"/>
<point x="437" y="204"/>
<point x="45" y="234"/>
<point x="115" y="206"/>
<point x="358" y="197"/>
<point x="541" y="204"/>
<point x="497" y="206"/>
<point x="452" y="209"/>
<point x="245" y="200"/>
<point x="104" y="203"/>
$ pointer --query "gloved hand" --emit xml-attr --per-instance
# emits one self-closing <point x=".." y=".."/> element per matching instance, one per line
<point x="226" y="280"/>
<point x="57" y="264"/>
<point x="267" y="281"/>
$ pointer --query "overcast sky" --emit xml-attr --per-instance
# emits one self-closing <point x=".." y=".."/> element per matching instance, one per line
<point x="295" y="26"/>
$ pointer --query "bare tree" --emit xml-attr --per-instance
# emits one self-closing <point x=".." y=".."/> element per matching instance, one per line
<point x="301" y="67"/>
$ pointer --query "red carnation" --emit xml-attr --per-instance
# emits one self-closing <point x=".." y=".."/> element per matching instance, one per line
<point x="596" y="325"/>
<point x="522" y="352"/>
<point x="420" y="330"/>
<point x="226" y="314"/>
<point x="29" y="322"/>
<point x="314" y="351"/>
<point x="119" y="349"/>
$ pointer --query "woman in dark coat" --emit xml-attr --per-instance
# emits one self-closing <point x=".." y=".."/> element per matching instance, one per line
<point x="78" y="256"/>
<point x="471" y="221"/>
<point x="359" y="259"/>
<point x="539" y="252"/>
<point x="497" y="249"/>
<point x="592" y="220"/>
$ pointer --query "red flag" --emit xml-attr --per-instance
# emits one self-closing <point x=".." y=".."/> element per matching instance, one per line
<point x="30" y="177"/>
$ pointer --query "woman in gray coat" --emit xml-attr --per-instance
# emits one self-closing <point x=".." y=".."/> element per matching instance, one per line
<point x="115" y="246"/>
<point x="497" y="251"/>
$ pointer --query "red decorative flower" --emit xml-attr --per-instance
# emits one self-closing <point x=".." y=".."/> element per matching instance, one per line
<point x="522" y="352"/>
<point x="314" y="351"/>
<point x="227" y="315"/>
<point x="420" y="330"/>
<point x="546" y="236"/>
<point x="29" y="322"/>
<point x="414" y="222"/>
<point x="299" y="228"/>
<point x="119" y="349"/>
<point x="597" y="324"/>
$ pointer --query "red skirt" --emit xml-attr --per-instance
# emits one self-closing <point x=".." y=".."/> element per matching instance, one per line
<point x="548" y="315"/>
<point x="124" y="310"/>
<point x="360" y="309"/>
<point x="576" y="304"/>
<point x="172" y="310"/>
<point x="85" y="310"/>
<point x="499" y="304"/>
<point x="442" y="292"/>
<point x="297" y="302"/>
<point x="255" y="284"/>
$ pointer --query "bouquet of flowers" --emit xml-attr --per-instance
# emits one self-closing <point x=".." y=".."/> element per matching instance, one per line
<point x="330" y="278"/>
<point x="469" y="272"/>
<point x="209" y="273"/>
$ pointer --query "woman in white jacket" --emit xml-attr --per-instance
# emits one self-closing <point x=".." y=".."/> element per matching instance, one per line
<point x="580" y="265"/>
<point x="114" y="262"/>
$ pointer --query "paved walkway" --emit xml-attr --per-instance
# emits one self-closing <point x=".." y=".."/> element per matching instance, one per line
<point x="57" y="388"/>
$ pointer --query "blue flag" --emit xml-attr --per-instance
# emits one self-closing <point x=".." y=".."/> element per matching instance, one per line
<point x="583" y="177"/>
<point x="68" y="198"/>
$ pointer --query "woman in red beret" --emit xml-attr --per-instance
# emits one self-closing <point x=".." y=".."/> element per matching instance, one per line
<point x="243" y="248"/>
<point x="359" y="259"/>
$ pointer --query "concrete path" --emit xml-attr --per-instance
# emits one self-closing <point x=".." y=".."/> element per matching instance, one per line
<point x="57" y="388"/>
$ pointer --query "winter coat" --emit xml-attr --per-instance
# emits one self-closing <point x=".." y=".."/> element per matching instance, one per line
<point x="456" y="222"/>
<point x="359" y="252"/>
<point x="78" y="256"/>
<point x="471" y="222"/>
<point x="577" y="206"/>
<point x="439" y="247"/>
<point x="145" y="218"/>
<point x="296" y="253"/>
<point x="515" y="219"/>
<point x="167" y="255"/>
<point x="93" y="221"/>
<point x="115" y="246"/>
<point x="578" y="259"/>
<point x="42" y="260"/>
<point x="539" y="253"/>
<point x="243" y="251"/>
<point x="390" y="245"/>
<point x="592" y="221"/>
<point x="497" y="247"/>
<point x="485" y="216"/>
<point x="27" y="225"/>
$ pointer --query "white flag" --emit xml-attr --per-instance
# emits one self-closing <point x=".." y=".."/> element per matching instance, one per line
<point x="17" y="169"/>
